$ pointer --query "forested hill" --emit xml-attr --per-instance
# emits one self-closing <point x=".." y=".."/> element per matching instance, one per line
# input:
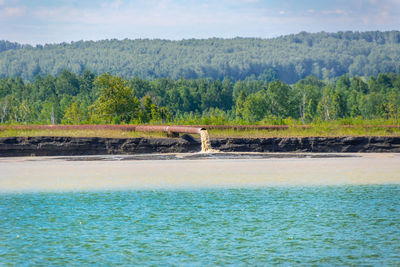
<point x="289" y="58"/>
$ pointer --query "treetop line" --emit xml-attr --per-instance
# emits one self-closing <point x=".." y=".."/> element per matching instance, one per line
<point x="86" y="98"/>
<point x="289" y="58"/>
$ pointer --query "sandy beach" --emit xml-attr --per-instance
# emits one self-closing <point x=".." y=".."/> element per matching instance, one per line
<point x="63" y="174"/>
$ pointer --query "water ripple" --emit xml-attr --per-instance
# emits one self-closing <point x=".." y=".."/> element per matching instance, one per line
<point x="326" y="225"/>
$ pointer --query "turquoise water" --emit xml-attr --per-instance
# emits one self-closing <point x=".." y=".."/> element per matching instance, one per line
<point x="327" y="225"/>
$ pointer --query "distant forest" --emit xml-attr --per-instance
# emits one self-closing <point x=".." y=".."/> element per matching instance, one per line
<point x="93" y="99"/>
<point x="289" y="58"/>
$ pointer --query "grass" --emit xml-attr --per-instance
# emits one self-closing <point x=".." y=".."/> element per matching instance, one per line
<point x="322" y="129"/>
<point x="79" y="133"/>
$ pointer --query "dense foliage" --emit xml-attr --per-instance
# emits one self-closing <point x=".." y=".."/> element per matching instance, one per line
<point x="289" y="58"/>
<point x="76" y="99"/>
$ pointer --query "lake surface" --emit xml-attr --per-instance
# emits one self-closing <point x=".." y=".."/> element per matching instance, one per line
<point x="324" y="225"/>
<point x="284" y="211"/>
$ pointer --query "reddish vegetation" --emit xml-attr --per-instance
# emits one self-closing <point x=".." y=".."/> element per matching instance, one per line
<point x="70" y="127"/>
<point x="160" y="127"/>
<point x="256" y="127"/>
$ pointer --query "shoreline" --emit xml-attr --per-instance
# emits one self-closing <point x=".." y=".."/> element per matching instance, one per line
<point x="80" y="146"/>
<point x="57" y="174"/>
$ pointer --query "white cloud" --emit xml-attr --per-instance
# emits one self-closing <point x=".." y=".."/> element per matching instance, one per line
<point x="161" y="15"/>
<point x="335" y="12"/>
<point x="173" y="19"/>
<point x="8" y="2"/>
<point x="60" y="14"/>
<point x="116" y="4"/>
<point x="13" y="11"/>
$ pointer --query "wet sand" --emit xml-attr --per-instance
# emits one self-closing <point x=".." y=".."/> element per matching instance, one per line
<point x="245" y="170"/>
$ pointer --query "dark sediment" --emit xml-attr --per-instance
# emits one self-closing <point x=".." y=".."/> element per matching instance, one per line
<point x="310" y="144"/>
<point x="74" y="146"/>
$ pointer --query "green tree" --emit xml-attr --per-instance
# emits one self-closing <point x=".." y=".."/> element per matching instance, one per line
<point x="47" y="113"/>
<point x="240" y="105"/>
<point x="24" y="112"/>
<point x="278" y="98"/>
<point x="73" y="114"/>
<point x="67" y="83"/>
<point x="116" y="102"/>
<point x="304" y="100"/>
<point x="226" y="94"/>
<point x="86" y="85"/>
<point x="370" y="104"/>
<point x="329" y="106"/>
<point x="255" y="108"/>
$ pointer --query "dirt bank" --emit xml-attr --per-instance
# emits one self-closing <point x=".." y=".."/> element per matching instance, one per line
<point x="68" y="146"/>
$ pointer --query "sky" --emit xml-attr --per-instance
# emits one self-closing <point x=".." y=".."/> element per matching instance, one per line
<point x="54" y="21"/>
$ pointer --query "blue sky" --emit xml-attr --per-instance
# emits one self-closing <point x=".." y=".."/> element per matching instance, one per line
<point x="54" y="21"/>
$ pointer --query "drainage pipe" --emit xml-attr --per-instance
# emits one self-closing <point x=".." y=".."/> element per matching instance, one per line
<point x="169" y="129"/>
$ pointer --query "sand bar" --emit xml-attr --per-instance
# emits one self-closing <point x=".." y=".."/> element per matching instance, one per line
<point x="64" y="174"/>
